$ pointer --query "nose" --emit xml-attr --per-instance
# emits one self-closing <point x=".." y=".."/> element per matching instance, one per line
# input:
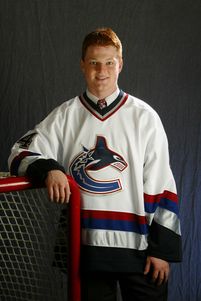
<point x="100" y="68"/>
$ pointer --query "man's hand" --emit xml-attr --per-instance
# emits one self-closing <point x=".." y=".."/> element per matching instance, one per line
<point x="160" y="269"/>
<point x="57" y="186"/>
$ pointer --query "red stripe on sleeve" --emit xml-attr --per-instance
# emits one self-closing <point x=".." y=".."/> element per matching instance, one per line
<point x="113" y="215"/>
<point x="156" y="198"/>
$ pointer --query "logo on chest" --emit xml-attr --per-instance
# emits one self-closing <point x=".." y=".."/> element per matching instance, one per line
<point x="96" y="159"/>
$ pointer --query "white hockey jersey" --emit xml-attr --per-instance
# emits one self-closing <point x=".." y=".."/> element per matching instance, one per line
<point x="119" y="157"/>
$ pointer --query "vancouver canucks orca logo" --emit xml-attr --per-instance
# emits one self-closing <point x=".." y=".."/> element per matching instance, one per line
<point x="93" y="160"/>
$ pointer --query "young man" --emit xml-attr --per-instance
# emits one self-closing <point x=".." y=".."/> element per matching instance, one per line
<point x="118" y="155"/>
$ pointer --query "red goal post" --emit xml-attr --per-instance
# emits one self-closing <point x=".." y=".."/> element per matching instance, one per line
<point x="14" y="192"/>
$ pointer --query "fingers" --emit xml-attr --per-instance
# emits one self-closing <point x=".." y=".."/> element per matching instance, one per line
<point x="58" y="187"/>
<point x="160" y="270"/>
<point x="160" y="277"/>
<point x="60" y="194"/>
<point x="147" y="267"/>
<point x="50" y="193"/>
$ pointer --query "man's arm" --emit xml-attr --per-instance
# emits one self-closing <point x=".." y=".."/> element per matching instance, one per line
<point x="52" y="174"/>
<point x="161" y="206"/>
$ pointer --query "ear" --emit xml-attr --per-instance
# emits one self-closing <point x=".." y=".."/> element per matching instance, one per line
<point x="120" y="64"/>
<point x="82" y="65"/>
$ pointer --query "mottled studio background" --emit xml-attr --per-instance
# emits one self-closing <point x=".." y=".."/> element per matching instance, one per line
<point x="40" y="44"/>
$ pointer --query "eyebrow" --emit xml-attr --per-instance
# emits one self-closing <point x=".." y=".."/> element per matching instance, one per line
<point x="107" y="59"/>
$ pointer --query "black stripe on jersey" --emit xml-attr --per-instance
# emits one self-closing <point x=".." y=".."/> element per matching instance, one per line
<point x="164" y="243"/>
<point x="108" y="259"/>
<point x="106" y="112"/>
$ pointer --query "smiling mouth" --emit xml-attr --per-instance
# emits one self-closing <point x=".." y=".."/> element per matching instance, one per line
<point x="101" y="78"/>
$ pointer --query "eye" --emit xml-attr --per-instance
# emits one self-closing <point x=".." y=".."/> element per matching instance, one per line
<point x="116" y="157"/>
<point x="110" y="63"/>
<point x="92" y="62"/>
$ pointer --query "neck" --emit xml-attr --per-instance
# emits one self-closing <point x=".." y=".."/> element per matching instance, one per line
<point x="102" y="95"/>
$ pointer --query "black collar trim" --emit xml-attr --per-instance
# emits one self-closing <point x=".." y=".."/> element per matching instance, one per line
<point x="106" y="112"/>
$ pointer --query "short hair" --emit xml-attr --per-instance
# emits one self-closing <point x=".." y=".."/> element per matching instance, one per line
<point x="101" y="37"/>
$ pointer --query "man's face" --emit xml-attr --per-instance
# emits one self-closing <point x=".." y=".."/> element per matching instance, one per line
<point x="101" y="67"/>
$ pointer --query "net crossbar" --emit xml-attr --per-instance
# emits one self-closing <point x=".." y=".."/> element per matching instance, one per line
<point x="39" y="243"/>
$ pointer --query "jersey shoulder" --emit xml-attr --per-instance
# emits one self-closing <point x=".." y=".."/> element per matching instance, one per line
<point x="140" y="104"/>
<point x="62" y="111"/>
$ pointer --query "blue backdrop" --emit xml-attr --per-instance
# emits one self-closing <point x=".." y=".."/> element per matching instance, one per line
<point x="39" y="69"/>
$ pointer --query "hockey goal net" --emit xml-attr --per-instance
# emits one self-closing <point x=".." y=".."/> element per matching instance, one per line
<point x="39" y="243"/>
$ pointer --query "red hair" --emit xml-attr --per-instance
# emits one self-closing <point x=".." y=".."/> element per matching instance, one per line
<point x="102" y="37"/>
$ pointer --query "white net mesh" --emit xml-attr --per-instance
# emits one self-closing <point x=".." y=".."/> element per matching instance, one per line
<point x="33" y="247"/>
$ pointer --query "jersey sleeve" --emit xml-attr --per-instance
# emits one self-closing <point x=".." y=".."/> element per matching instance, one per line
<point x="160" y="197"/>
<point x="39" y="149"/>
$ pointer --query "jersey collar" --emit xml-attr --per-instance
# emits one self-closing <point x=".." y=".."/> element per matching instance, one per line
<point x="109" y="98"/>
<point x="105" y="113"/>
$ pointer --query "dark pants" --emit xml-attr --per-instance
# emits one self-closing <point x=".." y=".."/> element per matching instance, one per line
<point x="134" y="287"/>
